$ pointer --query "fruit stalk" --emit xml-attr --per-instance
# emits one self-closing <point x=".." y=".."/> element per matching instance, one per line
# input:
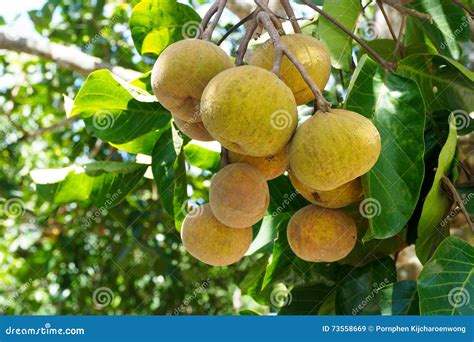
<point x="291" y="15"/>
<point x="386" y="65"/>
<point x="217" y="8"/>
<point x="280" y="51"/>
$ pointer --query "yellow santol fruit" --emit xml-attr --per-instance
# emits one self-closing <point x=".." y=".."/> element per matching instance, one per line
<point x="249" y="110"/>
<point x="271" y="166"/>
<point x="333" y="148"/>
<point x="194" y="130"/>
<point x="181" y="73"/>
<point x="339" y="197"/>
<point x="212" y="242"/>
<point x="310" y="52"/>
<point x="321" y="235"/>
<point x="239" y="195"/>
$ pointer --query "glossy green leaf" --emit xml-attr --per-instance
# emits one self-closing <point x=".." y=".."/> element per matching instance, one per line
<point x="446" y="283"/>
<point x="169" y="172"/>
<point x="155" y="24"/>
<point x="116" y="111"/>
<point x="395" y="106"/>
<point x="445" y="85"/>
<point x="268" y="231"/>
<point x="359" y="287"/>
<point x="202" y="158"/>
<point x="143" y="144"/>
<point x="400" y="298"/>
<point x="339" y="43"/>
<point x="432" y="229"/>
<point x="103" y="184"/>
<point x="450" y="25"/>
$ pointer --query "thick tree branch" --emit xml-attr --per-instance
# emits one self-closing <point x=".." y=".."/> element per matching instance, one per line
<point x="207" y="34"/>
<point x="239" y="59"/>
<point x="68" y="57"/>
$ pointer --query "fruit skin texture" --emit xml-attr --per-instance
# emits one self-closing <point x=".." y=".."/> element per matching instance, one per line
<point x="239" y="195"/>
<point x="212" y="242"/>
<point x="194" y="130"/>
<point x="339" y="197"/>
<point x="181" y="73"/>
<point x="271" y="167"/>
<point x="249" y="110"/>
<point x="310" y="52"/>
<point x="333" y="148"/>
<point x="321" y="235"/>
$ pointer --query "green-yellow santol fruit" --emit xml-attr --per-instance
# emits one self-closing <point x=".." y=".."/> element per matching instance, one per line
<point x="193" y="129"/>
<point x="249" y="110"/>
<point x="320" y="234"/>
<point x="239" y="195"/>
<point x="333" y="148"/>
<point x="271" y="166"/>
<point x="339" y="197"/>
<point x="310" y="52"/>
<point x="212" y="242"/>
<point x="181" y="73"/>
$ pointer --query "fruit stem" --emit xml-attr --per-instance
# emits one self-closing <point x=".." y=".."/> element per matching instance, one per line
<point x="291" y="15"/>
<point x="408" y="11"/>
<point x="239" y="59"/>
<point x="280" y="51"/>
<point x="224" y="156"/>
<point x="235" y="27"/>
<point x="386" y="65"/>
<point x="217" y="8"/>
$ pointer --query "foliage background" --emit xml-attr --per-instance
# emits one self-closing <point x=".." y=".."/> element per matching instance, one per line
<point x="54" y="258"/>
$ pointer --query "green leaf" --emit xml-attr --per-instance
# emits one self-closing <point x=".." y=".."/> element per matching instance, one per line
<point x="156" y="24"/>
<point x="268" y="232"/>
<point x="201" y="157"/>
<point x="432" y="229"/>
<point x="445" y="85"/>
<point x="446" y="283"/>
<point x="395" y="106"/>
<point x="384" y="47"/>
<point x="339" y="43"/>
<point x="144" y="82"/>
<point x="400" y="298"/>
<point x="358" y="287"/>
<point x="116" y="111"/>
<point x="303" y="300"/>
<point x="450" y="25"/>
<point x="283" y="197"/>
<point x="104" y="184"/>
<point x="143" y="144"/>
<point x="169" y="172"/>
